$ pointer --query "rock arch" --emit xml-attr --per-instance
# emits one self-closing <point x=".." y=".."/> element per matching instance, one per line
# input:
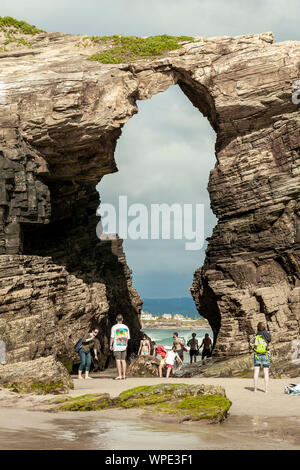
<point x="61" y="116"/>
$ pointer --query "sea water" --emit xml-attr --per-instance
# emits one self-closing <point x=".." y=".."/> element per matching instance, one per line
<point x="165" y="337"/>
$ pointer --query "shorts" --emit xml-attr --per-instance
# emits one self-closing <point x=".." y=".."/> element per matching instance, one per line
<point x="162" y="362"/>
<point x="262" y="360"/>
<point x="180" y="353"/>
<point x="206" y="353"/>
<point x="144" y="353"/>
<point x="193" y="352"/>
<point x="170" y="366"/>
<point x="120" y="355"/>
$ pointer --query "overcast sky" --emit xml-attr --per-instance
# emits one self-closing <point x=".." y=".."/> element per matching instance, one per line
<point x="164" y="155"/>
<point x="144" y="17"/>
<point x="166" y="151"/>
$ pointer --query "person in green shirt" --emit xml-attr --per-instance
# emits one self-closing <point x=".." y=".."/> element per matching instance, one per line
<point x="260" y="345"/>
<point x="89" y="342"/>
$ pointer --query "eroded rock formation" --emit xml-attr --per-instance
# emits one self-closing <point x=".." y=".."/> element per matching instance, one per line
<point x="41" y="376"/>
<point x="144" y="366"/>
<point x="61" y="116"/>
<point x="181" y="401"/>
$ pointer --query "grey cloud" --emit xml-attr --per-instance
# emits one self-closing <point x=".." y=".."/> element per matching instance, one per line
<point x="164" y="155"/>
<point x="141" y="17"/>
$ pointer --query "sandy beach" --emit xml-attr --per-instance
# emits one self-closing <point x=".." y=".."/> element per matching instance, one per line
<point x="239" y="390"/>
<point x="256" y="420"/>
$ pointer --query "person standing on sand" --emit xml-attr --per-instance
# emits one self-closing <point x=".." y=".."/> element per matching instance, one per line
<point x="145" y="347"/>
<point x="194" y="347"/>
<point x="2" y="352"/>
<point x="178" y="343"/>
<point x="119" y="337"/>
<point x="171" y="357"/>
<point x="207" y="346"/>
<point x="260" y="347"/>
<point x="88" y="343"/>
<point x="161" y="350"/>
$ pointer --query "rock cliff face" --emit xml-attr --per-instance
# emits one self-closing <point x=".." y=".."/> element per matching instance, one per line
<point x="61" y="116"/>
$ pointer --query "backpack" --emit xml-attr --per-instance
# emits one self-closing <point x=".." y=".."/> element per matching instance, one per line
<point x="78" y="345"/>
<point x="260" y="345"/>
<point x="292" y="389"/>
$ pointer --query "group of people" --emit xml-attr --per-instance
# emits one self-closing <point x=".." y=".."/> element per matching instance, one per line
<point x="169" y="357"/>
<point x="206" y="346"/>
<point x="178" y="343"/>
<point x="120" y="335"/>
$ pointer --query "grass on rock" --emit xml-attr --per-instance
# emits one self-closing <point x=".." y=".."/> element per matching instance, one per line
<point x="180" y="400"/>
<point x="13" y="29"/>
<point x="213" y="407"/>
<point x="7" y="23"/>
<point x="87" y="402"/>
<point x="125" y="49"/>
<point x="40" y="388"/>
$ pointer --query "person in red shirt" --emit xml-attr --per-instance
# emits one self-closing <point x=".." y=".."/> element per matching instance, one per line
<point x="161" y="350"/>
<point x="207" y="346"/>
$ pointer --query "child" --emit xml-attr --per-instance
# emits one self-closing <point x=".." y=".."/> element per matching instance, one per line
<point x="159" y="349"/>
<point x="170" y="360"/>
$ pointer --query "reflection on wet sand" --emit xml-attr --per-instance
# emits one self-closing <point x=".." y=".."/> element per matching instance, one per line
<point x="110" y="430"/>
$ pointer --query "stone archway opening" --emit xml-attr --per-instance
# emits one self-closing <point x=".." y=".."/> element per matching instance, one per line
<point x="164" y="157"/>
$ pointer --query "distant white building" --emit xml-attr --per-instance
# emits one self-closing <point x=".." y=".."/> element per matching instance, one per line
<point x="177" y="316"/>
<point x="167" y="316"/>
<point x="148" y="316"/>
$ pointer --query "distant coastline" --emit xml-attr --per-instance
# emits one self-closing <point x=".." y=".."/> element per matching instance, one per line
<point x="186" y="324"/>
<point x="179" y="305"/>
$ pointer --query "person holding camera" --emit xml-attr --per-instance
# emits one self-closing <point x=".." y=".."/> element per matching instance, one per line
<point x="89" y="342"/>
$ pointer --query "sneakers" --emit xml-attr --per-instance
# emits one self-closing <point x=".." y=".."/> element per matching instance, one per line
<point x="292" y="389"/>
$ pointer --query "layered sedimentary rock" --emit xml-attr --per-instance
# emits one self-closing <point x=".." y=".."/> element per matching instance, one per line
<point x="46" y="307"/>
<point x="61" y="116"/>
<point x="41" y="376"/>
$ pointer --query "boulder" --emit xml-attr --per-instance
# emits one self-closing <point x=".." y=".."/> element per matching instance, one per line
<point x="182" y="402"/>
<point x="41" y="376"/>
<point x="241" y="366"/>
<point x="144" y="366"/>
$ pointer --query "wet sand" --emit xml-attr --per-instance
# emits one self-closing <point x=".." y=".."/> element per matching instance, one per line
<point x="256" y="420"/>
<point x="240" y="391"/>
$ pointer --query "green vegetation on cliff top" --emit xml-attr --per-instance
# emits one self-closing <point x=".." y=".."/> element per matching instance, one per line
<point x="12" y="30"/>
<point x="121" y="49"/>
<point x="9" y="23"/>
<point x="130" y="48"/>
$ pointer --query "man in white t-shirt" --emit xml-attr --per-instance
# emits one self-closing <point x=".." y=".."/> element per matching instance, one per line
<point x="119" y="337"/>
